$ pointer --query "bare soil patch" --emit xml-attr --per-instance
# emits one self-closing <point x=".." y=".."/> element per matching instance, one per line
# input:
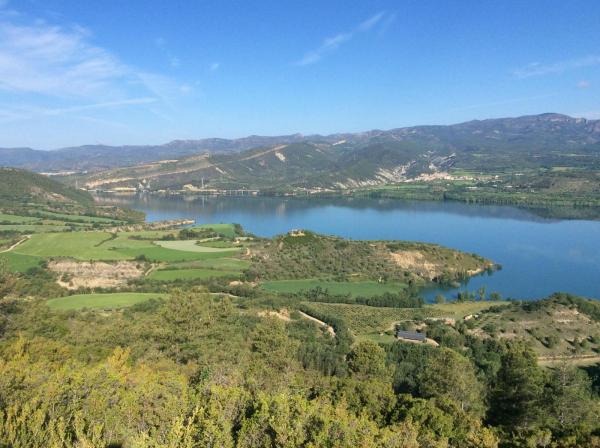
<point x="414" y="261"/>
<point x="283" y="314"/>
<point x="96" y="274"/>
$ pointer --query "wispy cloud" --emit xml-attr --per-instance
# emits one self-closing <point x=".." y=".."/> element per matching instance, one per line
<point x="371" y="21"/>
<point x="539" y="69"/>
<point x="583" y="84"/>
<point x="161" y="44"/>
<point x="58" y="62"/>
<point x="331" y="44"/>
<point x="214" y="66"/>
<point x="29" y="112"/>
<point x="42" y="63"/>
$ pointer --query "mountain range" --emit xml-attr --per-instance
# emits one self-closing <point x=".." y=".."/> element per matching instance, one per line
<point x="345" y="160"/>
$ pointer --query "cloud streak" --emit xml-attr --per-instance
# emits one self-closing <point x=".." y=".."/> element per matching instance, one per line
<point x="27" y="113"/>
<point x="56" y="62"/>
<point x="333" y="43"/>
<point x="538" y="69"/>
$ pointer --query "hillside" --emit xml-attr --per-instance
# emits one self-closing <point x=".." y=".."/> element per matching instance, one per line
<point x="488" y="150"/>
<point x="20" y="187"/>
<point x="304" y="255"/>
<point x="31" y="202"/>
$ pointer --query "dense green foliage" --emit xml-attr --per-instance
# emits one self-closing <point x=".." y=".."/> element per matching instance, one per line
<point x="306" y="255"/>
<point x="196" y="370"/>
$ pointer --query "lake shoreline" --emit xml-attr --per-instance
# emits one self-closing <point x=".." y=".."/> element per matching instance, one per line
<point x="539" y="255"/>
<point x="572" y="211"/>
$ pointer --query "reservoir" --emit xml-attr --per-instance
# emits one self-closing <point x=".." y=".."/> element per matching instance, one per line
<point x="539" y="255"/>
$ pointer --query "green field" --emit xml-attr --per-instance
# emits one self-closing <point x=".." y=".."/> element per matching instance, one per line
<point x="33" y="228"/>
<point x="226" y="229"/>
<point x="80" y="218"/>
<point x="191" y="246"/>
<point x="167" y="275"/>
<point x="103" y="246"/>
<point x="101" y="301"/>
<point x="225" y="264"/>
<point x="19" y="262"/>
<point x="14" y="219"/>
<point x="218" y="244"/>
<point x="79" y="245"/>
<point x="364" y="288"/>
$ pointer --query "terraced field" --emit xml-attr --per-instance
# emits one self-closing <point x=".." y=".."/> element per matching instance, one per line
<point x="368" y="320"/>
<point x="362" y="319"/>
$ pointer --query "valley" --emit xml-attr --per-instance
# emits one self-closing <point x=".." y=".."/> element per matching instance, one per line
<point x="331" y="311"/>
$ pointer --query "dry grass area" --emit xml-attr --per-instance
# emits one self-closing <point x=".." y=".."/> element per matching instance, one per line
<point x="95" y="274"/>
<point x="415" y="261"/>
<point x="432" y="262"/>
<point x="282" y="314"/>
<point x="556" y="331"/>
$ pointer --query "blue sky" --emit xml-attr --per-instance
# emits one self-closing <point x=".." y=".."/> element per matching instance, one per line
<point x="74" y="72"/>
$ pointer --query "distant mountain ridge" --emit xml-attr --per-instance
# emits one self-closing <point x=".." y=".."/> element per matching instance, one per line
<point x="336" y="160"/>
<point x="342" y="161"/>
<point x="99" y="157"/>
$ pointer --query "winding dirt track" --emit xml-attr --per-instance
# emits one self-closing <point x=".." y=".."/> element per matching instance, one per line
<point x="16" y="244"/>
<point x="320" y="322"/>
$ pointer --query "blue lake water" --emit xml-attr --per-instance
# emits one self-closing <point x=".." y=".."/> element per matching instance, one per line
<point x="539" y="256"/>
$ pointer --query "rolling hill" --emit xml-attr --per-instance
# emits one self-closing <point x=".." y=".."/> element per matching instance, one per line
<point x="26" y="188"/>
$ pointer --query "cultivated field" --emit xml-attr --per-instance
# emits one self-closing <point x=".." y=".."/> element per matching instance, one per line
<point x="167" y="275"/>
<point x="191" y="246"/>
<point x="101" y="301"/>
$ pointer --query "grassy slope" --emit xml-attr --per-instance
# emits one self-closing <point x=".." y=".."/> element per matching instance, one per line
<point x="191" y="246"/>
<point x="226" y="229"/>
<point x="190" y="274"/>
<point x="101" y="301"/>
<point x="20" y="262"/>
<point x="20" y="186"/>
<point x="567" y="326"/>
<point x="364" y="289"/>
